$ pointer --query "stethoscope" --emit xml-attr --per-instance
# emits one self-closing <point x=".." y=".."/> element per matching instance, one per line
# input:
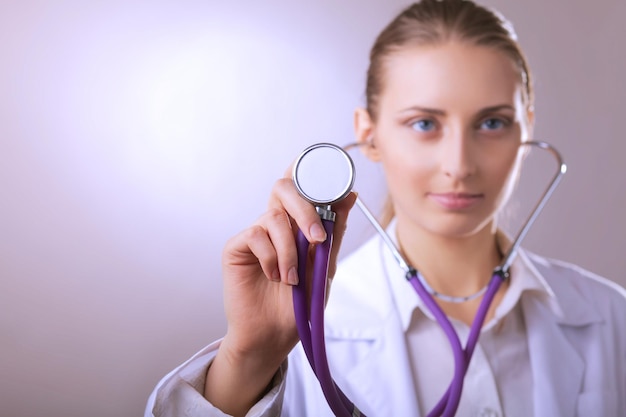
<point x="324" y="174"/>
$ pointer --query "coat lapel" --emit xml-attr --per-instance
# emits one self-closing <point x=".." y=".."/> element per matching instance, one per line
<point x="556" y="367"/>
<point x="383" y="378"/>
<point x="367" y="339"/>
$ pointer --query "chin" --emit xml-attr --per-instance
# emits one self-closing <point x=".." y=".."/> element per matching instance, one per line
<point x="459" y="228"/>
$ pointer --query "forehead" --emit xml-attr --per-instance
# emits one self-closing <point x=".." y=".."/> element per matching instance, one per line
<point x="452" y="74"/>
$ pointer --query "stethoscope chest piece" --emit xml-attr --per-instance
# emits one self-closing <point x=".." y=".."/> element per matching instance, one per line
<point x="323" y="174"/>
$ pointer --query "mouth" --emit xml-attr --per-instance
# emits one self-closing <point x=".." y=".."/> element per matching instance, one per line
<point x="456" y="201"/>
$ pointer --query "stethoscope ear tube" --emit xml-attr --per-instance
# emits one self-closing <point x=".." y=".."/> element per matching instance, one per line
<point x="554" y="182"/>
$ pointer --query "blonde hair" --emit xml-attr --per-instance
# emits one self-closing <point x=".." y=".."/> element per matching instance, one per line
<point x="431" y="22"/>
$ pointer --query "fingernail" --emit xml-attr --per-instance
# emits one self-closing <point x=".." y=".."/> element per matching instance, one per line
<point x="292" y="276"/>
<point x="318" y="233"/>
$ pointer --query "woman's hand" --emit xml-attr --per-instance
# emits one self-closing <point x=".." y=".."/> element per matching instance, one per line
<point x="260" y="268"/>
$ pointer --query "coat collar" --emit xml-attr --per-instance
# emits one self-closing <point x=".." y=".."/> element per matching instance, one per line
<point x="371" y="286"/>
<point x="366" y="309"/>
<point x="568" y="306"/>
<point x="385" y="392"/>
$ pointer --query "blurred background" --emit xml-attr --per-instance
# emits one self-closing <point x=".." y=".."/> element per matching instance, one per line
<point x="137" y="136"/>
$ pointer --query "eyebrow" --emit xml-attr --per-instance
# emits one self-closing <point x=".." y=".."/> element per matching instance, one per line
<point x="497" y="108"/>
<point x="423" y="110"/>
<point x="440" y="112"/>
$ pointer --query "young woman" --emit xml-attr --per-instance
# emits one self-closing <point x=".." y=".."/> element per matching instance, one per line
<point x="449" y="101"/>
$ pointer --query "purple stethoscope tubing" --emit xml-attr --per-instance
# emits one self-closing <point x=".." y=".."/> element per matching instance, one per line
<point x="310" y="328"/>
<point x="310" y="321"/>
<point x="449" y="402"/>
<point x="310" y="318"/>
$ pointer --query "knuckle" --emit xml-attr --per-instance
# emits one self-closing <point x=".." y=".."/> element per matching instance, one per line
<point x="276" y="214"/>
<point x="235" y="243"/>
<point x="284" y="183"/>
<point x="281" y="186"/>
<point x="277" y="218"/>
<point x="232" y="242"/>
<point x="255" y="232"/>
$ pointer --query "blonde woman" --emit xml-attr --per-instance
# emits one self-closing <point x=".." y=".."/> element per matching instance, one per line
<point x="449" y="101"/>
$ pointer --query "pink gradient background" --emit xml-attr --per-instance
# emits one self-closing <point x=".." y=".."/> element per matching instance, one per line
<point x="137" y="136"/>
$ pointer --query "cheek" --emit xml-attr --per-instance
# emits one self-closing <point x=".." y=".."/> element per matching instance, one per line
<point x="506" y="163"/>
<point x="506" y="175"/>
<point x="400" y="150"/>
<point x="503" y="157"/>
<point x="405" y="158"/>
<point x="407" y="174"/>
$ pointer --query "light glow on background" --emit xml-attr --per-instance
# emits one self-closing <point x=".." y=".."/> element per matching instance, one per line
<point x="136" y="137"/>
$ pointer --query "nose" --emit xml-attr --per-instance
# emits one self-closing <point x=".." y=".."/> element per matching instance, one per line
<point x="457" y="155"/>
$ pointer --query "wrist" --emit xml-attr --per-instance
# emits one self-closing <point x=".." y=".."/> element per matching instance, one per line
<point x="256" y="361"/>
<point x="236" y="379"/>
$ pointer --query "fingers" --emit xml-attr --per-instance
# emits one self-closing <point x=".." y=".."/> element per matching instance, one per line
<point x="305" y="216"/>
<point x="286" y="197"/>
<point x="278" y="226"/>
<point x="270" y="245"/>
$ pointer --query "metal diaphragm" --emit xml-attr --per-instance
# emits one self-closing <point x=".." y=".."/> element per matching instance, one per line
<point x="324" y="174"/>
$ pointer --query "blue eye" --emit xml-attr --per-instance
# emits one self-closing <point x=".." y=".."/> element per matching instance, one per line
<point x="423" y="125"/>
<point x="492" y="124"/>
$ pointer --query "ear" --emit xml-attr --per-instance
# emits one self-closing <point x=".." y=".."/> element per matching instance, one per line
<point x="364" y="132"/>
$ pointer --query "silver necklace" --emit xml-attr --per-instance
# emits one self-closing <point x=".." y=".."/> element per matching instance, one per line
<point x="450" y="298"/>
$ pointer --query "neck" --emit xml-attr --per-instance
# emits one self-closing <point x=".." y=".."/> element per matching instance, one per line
<point x="454" y="266"/>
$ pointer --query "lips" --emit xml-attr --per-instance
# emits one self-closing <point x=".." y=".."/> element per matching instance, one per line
<point x="456" y="201"/>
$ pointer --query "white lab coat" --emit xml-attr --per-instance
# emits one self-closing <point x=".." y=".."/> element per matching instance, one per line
<point x="577" y="348"/>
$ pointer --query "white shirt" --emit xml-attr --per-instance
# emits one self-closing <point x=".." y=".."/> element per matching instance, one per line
<point x="499" y="380"/>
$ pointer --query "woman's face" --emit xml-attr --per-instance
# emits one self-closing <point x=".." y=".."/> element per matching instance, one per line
<point x="450" y="120"/>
